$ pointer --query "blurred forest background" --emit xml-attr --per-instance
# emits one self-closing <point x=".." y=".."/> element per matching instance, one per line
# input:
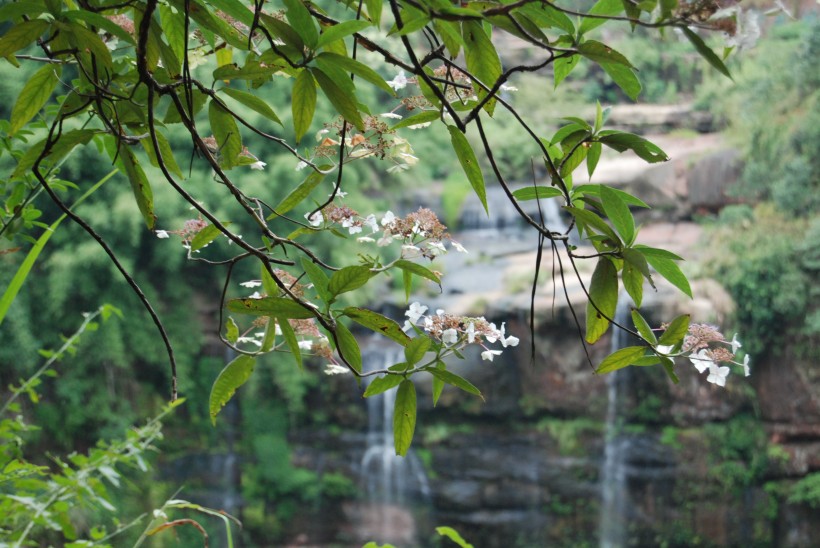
<point x="740" y="466"/>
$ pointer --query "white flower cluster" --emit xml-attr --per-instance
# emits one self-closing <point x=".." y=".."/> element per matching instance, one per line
<point x="459" y="331"/>
<point x="696" y="347"/>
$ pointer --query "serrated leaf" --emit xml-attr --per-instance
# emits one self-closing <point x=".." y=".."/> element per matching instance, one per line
<point x="270" y="306"/>
<point x="603" y="291"/>
<point x="455" y="380"/>
<point x="231" y="331"/>
<point x="377" y="323"/>
<point x="21" y="35"/>
<point x="671" y="271"/>
<point x="252" y="102"/>
<point x="303" y="103"/>
<point x="537" y="193"/>
<point x="416" y="349"/>
<point x="618" y="212"/>
<point x="227" y="135"/>
<point x="469" y="163"/>
<point x="298" y="194"/>
<point x="482" y="59"/>
<point x="382" y="384"/>
<point x="34" y="96"/>
<point x="355" y="67"/>
<point x="404" y="417"/>
<point x="58" y="151"/>
<point x="643" y="327"/>
<point x="318" y="278"/>
<point x="706" y="52"/>
<point x="206" y="236"/>
<point x="139" y="186"/>
<point x="342" y="99"/>
<point x="235" y="374"/>
<point x="348" y="347"/>
<point x="620" y="359"/>
<point x="347" y="279"/>
<point x="290" y="339"/>
<point x="676" y="331"/>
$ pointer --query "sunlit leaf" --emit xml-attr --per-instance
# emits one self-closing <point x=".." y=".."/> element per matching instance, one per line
<point x="347" y="279"/>
<point x="676" y="331"/>
<point x="620" y="359"/>
<point x="455" y="380"/>
<point x="235" y="374"/>
<point x="603" y="292"/>
<point x="643" y="327"/>
<point x="298" y="194"/>
<point x="618" y="212"/>
<point x="34" y="95"/>
<point x="415" y="350"/>
<point x="348" y="347"/>
<point x="382" y="384"/>
<point x="290" y="339"/>
<point x="270" y="306"/>
<point x="469" y="163"/>
<point x="139" y="185"/>
<point x="303" y="103"/>
<point x="377" y="323"/>
<point x="706" y="52"/>
<point x="404" y="417"/>
<point x="252" y="102"/>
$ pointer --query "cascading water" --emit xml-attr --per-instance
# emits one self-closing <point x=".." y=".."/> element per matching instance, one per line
<point x="394" y="485"/>
<point x="614" y="493"/>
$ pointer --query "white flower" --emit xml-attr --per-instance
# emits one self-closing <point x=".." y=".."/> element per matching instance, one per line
<point x="371" y="222"/>
<point x="436" y="248"/>
<point x="415" y="311"/>
<point x="449" y="337"/>
<point x="255" y="295"/>
<point x="365" y="239"/>
<point x="355" y="229"/>
<point x="259" y="165"/>
<point x="745" y="365"/>
<point x="507" y="341"/>
<point x="305" y="345"/>
<point x="489" y="354"/>
<point x="470" y="333"/>
<point x="735" y="344"/>
<point x="439" y="312"/>
<point x="664" y="349"/>
<point x="251" y="283"/>
<point x="505" y="87"/>
<point x="493" y="335"/>
<point x="249" y="340"/>
<point x="397" y="168"/>
<point x="717" y="375"/>
<point x="410" y="252"/>
<point x="388" y="218"/>
<point x="315" y="219"/>
<point x="391" y="115"/>
<point x="333" y="369"/>
<point x="409" y="158"/>
<point x="385" y="240"/>
<point x="419" y="126"/>
<point x="339" y="194"/>
<point x="301" y="165"/>
<point x="162" y="234"/>
<point x="701" y="360"/>
<point x="399" y="82"/>
<point x="460" y="248"/>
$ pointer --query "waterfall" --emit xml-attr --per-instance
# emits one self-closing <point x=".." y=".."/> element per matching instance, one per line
<point x="393" y="485"/>
<point x="505" y="217"/>
<point x="614" y="489"/>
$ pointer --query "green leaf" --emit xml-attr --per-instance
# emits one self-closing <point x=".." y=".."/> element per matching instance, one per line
<point x="382" y="384"/>
<point x="227" y="135"/>
<point x="450" y="33"/>
<point x="318" y="278"/>
<point x="374" y="11"/>
<point x="602" y="7"/>
<point x="633" y="282"/>
<point x="303" y="103"/>
<point x="298" y="194"/>
<point x="165" y="151"/>
<point x="139" y="185"/>
<point x="624" y="77"/>
<point x="232" y="377"/>
<point x="418" y="270"/>
<point x="21" y="35"/>
<point x="416" y="349"/>
<point x="302" y="22"/>
<point x="669" y="367"/>
<point x="593" y="155"/>
<point x="420" y="118"/>
<point x="339" y="31"/>
<point x="455" y="380"/>
<point x="269" y="340"/>
<point x="270" y="306"/>
<point x="16" y="10"/>
<point x="562" y="66"/>
<point x="347" y="279"/>
<point x="618" y="212"/>
<point x="546" y="16"/>
<point x="676" y="331"/>
<point x="469" y="163"/>
<point x="404" y="417"/>
<point x="88" y="42"/>
<point x="58" y="151"/>
<point x="206" y="236"/>
<point x="34" y="96"/>
<point x="590" y="220"/>
<point x="620" y="359"/>
<point x="603" y="291"/>
<point x="595" y="190"/>
<point x="355" y="67"/>
<point x="343" y="100"/>
<point x="482" y="59"/>
<point x="537" y="193"/>
<point x="602" y="54"/>
<point x="378" y="323"/>
<point x="643" y="327"/>
<point x="657" y="252"/>
<point x="252" y="102"/>
<point x="407" y="280"/>
<point x="231" y="331"/>
<point x="349" y="347"/>
<point x="622" y="141"/>
<point x="706" y="52"/>
<point x="453" y="535"/>
<point x="671" y="271"/>
<point x="290" y="339"/>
